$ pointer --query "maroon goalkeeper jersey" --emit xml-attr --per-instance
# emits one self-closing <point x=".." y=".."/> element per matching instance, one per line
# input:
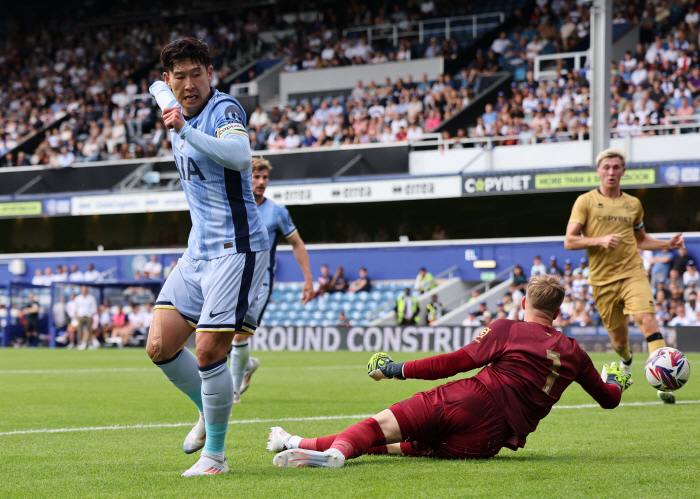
<point x="530" y="367"/>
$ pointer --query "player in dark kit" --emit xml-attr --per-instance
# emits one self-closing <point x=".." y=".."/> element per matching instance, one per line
<point x="531" y="364"/>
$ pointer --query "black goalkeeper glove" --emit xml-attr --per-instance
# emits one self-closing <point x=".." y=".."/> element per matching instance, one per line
<point x="613" y="376"/>
<point x="380" y="366"/>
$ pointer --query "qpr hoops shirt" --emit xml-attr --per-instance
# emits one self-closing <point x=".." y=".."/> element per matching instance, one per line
<point x="225" y="218"/>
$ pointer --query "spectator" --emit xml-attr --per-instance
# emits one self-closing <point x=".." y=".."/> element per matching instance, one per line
<point x="424" y="281"/>
<point x="38" y="279"/>
<point x="471" y="319"/>
<point x="553" y="268"/>
<point x="324" y="281"/>
<point x="85" y="308"/>
<point x="434" y="310"/>
<point x="660" y="265"/>
<point x="680" y="262"/>
<point x="519" y="279"/>
<point x="153" y="268"/>
<point x="582" y="268"/>
<point x="342" y="321"/>
<point x="681" y="319"/>
<point x="92" y="275"/>
<point x="339" y="284"/>
<point x="360" y="284"/>
<point x="691" y="274"/>
<point x="30" y="313"/>
<point x="537" y="267"/>
<point x="406" y="309"/>
<point x="66" y="158"/>
<point x="76" y="275"/>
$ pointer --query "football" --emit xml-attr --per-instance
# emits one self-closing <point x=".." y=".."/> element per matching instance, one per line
<point x="667" y="369"/>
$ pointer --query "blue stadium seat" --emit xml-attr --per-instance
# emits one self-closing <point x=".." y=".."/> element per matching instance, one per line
<point x="304" y="314"/>
<point x="389" y="295"/>
<point x="330" y="315"/>
<point x="283" y="306"/>
<point x="375" y="295"/>
<point x="359" y="305"/>
<point x="327" y="323"/>
<point x="356" y="315"/>
<point x="281" y="287"/>
<point x="276" y="296"/>
<point x="297" y="305"/>
<point x="289" y="296"/>
<point x="351" y="297"/>
<point x="294" y="286"/>
<point x="321" y="304"/>
<point x="272" y="306"/>
<point x="333" y="306"/>
<point x="363" y="295"/>
<point x="292" y="314"/>
<point x="272" y="323"/>
<point x="371" y="305"/>
<point x="317" y="315"/>
<point x="346" y="306"/>
<point x="312" y="323"/>
<point x="286" y="323"/>
<point x="337" y="296"/>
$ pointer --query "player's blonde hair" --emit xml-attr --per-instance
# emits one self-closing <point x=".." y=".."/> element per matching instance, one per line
<point x="612" y="153"/>
<point x="546" y="293"/>
<point x="259" y="164"/>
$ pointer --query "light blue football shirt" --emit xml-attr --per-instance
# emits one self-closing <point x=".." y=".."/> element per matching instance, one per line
<point x="225" y="218"/>
<point x="278" y="222"/>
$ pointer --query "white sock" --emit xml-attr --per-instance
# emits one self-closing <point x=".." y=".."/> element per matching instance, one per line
<point x="294" y="441"/>
<point x="240" y="354"/>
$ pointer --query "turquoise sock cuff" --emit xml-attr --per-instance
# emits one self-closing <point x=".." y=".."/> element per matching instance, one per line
<point x="216" y="437"/>
<point x="196" y="397"/>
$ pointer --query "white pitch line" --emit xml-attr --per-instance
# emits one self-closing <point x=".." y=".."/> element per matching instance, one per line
<point x="255" y="421"/>
<point x="155" y="370"/>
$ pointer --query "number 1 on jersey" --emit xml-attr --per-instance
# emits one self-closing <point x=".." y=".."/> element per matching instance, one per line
<point x="556" y="363"/>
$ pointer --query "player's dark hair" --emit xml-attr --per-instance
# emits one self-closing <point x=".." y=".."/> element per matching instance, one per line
<point x="185" y="49"/>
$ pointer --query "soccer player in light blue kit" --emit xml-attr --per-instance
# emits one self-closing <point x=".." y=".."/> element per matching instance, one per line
<point x="220" y="274"/>
<point x="279" y="224"/>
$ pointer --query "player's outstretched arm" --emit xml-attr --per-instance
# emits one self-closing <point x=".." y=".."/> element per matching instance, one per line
<point x="646" y="242"/>
<point x="612" y="375"/>
<point x="302" y="258"/>
<point x="381" y="366"/>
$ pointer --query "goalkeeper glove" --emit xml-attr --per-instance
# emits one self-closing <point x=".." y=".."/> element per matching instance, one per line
<point x="380" y="366"/>
<point x="613" y="376"/>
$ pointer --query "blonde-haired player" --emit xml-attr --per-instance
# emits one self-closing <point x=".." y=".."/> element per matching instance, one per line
<point x="609" y="224"/>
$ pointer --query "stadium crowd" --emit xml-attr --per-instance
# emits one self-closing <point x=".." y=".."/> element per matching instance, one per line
<point x="674" y="279"/>
<point x="659" y="80"/>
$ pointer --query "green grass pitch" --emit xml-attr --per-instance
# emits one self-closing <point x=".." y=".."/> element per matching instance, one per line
<point x="635" y="451"/>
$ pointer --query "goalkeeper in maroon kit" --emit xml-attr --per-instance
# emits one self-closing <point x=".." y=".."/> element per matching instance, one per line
<point x="528" y="366"/>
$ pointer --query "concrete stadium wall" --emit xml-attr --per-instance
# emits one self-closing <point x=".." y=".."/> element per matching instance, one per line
<point x="345" y="78"/>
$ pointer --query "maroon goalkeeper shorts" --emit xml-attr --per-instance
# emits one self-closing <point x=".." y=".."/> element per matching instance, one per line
<point x="457" y="420"/>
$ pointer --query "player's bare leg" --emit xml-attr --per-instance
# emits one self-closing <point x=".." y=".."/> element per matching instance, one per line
<point x="655" y="340"/>
<point x="378" y="431"/>
<point x="619" y="339"/>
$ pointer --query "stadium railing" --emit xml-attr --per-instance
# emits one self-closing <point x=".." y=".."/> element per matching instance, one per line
<point x="443" y="27"/>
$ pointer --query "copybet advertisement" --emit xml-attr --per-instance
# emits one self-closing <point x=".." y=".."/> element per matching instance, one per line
<point x="513" y="183"/>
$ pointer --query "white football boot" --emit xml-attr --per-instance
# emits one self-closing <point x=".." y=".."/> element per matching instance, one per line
<point x="196" y="438"/>
<point x="208" y="464"/>
<point x="278" y="440"/>
<point x="666" y="397"/>
<point x="250" y="369"/>
<point x="296" y="458"/>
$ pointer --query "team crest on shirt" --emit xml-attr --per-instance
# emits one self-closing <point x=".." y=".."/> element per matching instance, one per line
<point x="229" y="129"/>
<point x="627" y="206"/>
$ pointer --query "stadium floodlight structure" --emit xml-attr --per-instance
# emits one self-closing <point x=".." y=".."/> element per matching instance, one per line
<point x="601" y="56"/>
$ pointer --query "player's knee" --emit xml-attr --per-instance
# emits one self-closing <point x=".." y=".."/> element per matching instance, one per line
<point x="154" y="348"/>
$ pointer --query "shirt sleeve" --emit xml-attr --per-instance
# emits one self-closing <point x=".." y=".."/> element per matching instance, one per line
<point x="285" y="222"/>
<point x="579" y="213"/>
<point x="639" y="219"/>
<point x="163" y="95"/>
<point x="229" y="119"/>
<point x="233" y="152"/>
<point x="608" y="396"/>
<point x="489" y="344"/>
